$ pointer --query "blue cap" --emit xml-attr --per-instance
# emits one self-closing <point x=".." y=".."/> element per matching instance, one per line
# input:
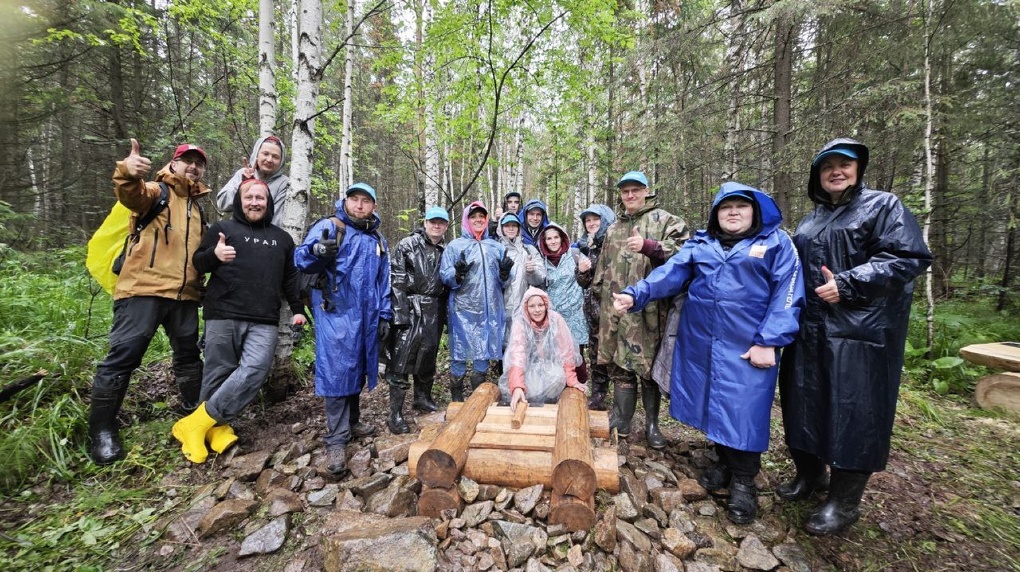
<point x="509" y="218"/>
<point x="362" y="187"/>
<point x="846" y="152"/>
<point x="633" y="176"/>
<point x="437" y="212"/>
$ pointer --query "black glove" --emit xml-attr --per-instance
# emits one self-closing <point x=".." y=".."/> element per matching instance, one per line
<point x="384" y="331"/>
<point x="505" y="264"/>
<point x="326" y="247"/>
<point x="461" y="267"/>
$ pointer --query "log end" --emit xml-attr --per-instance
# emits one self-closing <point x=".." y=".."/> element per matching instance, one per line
<point x="437" y="469"/>
<point x="571" y="512"/>
<point x="433" y="501"/>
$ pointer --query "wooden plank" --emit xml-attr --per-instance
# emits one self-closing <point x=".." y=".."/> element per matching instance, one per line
<point x="441" y="464"/>
<point x="537" y="416"/>
<point x="1000" y="355"/>
<point x="573" y="474"/>
<point x="1000" y="390"/>
<point x="512" y="440"/>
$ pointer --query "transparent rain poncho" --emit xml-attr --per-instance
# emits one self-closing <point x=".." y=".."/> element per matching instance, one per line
<point x="541" y="358"/>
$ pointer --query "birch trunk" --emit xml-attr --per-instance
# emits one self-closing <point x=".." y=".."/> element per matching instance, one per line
<point x="346" y="157"/>
<point x="267" y="68"/>
<point x="929" y="168"/>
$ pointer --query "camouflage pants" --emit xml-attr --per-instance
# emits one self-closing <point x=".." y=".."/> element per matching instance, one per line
<point x="623" y="378"/>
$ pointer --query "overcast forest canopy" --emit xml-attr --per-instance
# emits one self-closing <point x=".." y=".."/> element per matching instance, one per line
<point x="449" y="101"/>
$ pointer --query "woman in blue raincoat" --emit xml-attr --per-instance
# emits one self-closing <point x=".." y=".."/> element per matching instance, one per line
<point x="567" y="273"/>
<point x="475" y="268"/>
<point x="745" y="291"/>
<point x="350" y="312"/>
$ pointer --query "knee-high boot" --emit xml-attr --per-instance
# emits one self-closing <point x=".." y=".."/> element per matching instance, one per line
<point x="457" y="388"/>
<point x="624" y="403"/>
<point x="396" y="423"/>
<point x="811" y="476"/>
<point x="423" y="394"/>
<point x="842" y="508"/>
<point x="105" y="446"/>
<point x="651" y="397"/>
<point x="599" y="388"/>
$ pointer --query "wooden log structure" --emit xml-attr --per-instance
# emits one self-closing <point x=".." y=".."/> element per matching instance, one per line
<point x="571" y="512"/>
<point x="538" y="420"/>
<point x="999" y="390"/>
<point x="434" y="500"/>
<point x="1001" y="355"/>
<point x="573" y="463"/>
<point x="441" y="464"/>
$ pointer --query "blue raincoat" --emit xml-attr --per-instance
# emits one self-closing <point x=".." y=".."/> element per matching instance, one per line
<point x="526" y="235"/>
<point x="748" y="295"/>
<point x="475" y="308"/>
<point x="358" y="296"/>
<point x="565" y="293"/>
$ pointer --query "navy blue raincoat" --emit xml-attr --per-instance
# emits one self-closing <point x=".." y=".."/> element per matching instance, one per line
<point x="840" y="379"/>
<point x="475" y="309"/>
<point x="750" y="294"/>
<point x="357" y="296"/>
<point x="526" y="235"/>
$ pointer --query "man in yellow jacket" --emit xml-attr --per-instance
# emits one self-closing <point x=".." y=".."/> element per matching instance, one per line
<point x="158" y="286"/>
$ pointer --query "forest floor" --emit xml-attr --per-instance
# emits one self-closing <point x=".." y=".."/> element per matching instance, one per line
<point x="949" y="500"/>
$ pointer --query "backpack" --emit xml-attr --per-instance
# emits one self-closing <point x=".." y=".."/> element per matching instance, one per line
<point x="109" y="243"/>
<point x="320" y="280"/>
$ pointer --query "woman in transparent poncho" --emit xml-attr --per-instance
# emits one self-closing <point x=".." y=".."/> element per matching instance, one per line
<point x="541" y="356"/>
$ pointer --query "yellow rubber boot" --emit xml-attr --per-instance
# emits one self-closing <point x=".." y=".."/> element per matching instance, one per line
<point x="190" y="431"/>
<point x="220" y="437"/>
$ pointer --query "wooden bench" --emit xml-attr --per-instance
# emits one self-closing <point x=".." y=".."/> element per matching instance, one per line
<point x="998" y="389"/>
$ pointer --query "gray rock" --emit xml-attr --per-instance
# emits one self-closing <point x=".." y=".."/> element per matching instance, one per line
<point x="360" y="463"/>
<point x="365" y="487"/>
<point x="349" y="501"/>
<point x="653" y="511"/>
<point x="393" y="501"/>
<point x="653" y="482"/>
<point x="708" y="509"/>
<point x="468" y="490"/>
<point x="793" y="556"/>
<point x="379" y="543"/>
<point x="575" y="556"/>
<point x="248" y="467"/>
<point x="475" y="513"/>
<point x="677" y="543"/>
<point x="534" y="565"/>
<point x="485" y="561"/>
<point x="668" y="563"/>
<point x="324" y="496"/>
<point x="605" y="530"/>
<point x="526" y="499"/>
<point x="702" y="567"/>
<point x="226" y="514"/>
<point x="182" y="530"/>
<point x="625" y="507"/>
<point x="691" y="490"/>
<point x="634" y="560"/>
<point x="313" y="484"/>
<point x="267" y="539"/>
<point x="661" y="471"/>
<point x="668" y="499"/>
<point x="754" y="555"/>
<point x="765" y="532"/>
<point x="630" y="533"/>
<point x="681" y="520"/>
<point x="503" y="499"/>
<point x="635" y="487"/>
<point x="649" y="527"/>
<point x="519" y="541"/>
<point x="281" y="502"/>
<point x="487" y="492"/>
<point x="269" y="479"/>
<point x="543" y="507"/>
<point x="723" y="559"/>
<point x="394" y="448"/>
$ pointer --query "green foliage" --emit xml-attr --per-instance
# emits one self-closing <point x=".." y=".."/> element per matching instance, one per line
<point x="957" y="324"/>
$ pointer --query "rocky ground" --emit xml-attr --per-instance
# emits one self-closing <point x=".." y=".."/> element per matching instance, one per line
<point x="268" y="504"/>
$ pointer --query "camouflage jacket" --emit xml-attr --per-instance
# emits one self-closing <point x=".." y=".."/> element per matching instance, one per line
<point x="630" y="340"/>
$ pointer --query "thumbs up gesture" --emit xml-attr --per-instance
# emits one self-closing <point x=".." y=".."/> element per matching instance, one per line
<point x="828" y="292"/>
<point x="224" y="251"/>
<point x="326" y="247"/>
<point x="635" y="242"/>
<point x="137" y="167"/>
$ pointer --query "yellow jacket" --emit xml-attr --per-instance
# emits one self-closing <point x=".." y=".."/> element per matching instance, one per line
<point x="158" y="263"/>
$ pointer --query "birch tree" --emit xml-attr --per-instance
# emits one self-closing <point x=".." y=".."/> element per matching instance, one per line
<point x="267" y="68"/>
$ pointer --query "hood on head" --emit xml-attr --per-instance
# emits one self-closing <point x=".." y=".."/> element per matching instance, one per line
<point x="531" y="205"/>
<point x="465" y="226"/>
<point x="239" y="213"/>
<point x="283" y="155"/>
<point x="602" y="211"/>
<point x="815" y="191"/>
<point x="564" y="239"/>
<point x="766" y="212"/>
<point x="530" y="293"/>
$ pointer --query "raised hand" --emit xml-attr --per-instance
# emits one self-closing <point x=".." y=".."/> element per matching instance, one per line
<point x="461" y="267"/>
<point x="635" y="242"/>
<point x="224" y="251"/>
<point x="248" y="172"/>
<point x="505" y="264"/>
<point x="622" y="302"/>
<point x="583" y="263"/>
<point x="326" y="247"/>
<point x="828" y="292"/>
<point x="137" y="166"/>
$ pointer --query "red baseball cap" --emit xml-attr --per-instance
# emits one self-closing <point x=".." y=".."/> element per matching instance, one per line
<point x="182" y="149"/>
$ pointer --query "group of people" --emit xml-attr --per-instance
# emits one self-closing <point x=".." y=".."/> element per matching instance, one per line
<point x="516" y="292"/>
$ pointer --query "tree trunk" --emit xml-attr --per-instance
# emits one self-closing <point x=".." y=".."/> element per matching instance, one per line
<point x="929" y="167"/>
<point x="785" y="41"/>
<point x="346" y="157"/>
<point x="267" y="68"/>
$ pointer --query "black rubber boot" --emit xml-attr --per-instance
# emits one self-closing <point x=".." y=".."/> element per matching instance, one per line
<point x="477" y="378"/>
<point x="599" y="388"/>
<point x="842" y="508"/>
<point x="457" y="389"/>
<point x="715" y="478"/>
<point x="651" y="397"/>
<point x="624" y="402"/>
<point x="396" y="423"/>
<point x="743" y="505"/>
<point x="423" y="394"/>
<point x="811" y="476"/>
<point x="105" y="446"/>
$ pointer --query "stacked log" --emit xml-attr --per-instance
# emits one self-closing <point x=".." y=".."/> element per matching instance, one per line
<point x="998" y="390"/>
<point x="551" y="446"/>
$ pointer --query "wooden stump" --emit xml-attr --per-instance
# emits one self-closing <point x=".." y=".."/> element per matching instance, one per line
<point x="573" y="471"/>
<point x="999" y="390"/>
<point x="571" y="512"/>
<point x="441" y="464"/>
<point x="433" y="501"/>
